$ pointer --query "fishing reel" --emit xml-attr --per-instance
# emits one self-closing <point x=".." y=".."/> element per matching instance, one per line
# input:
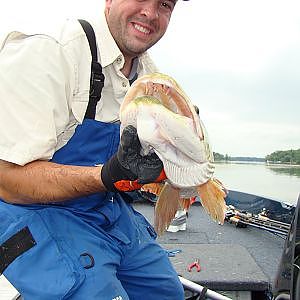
<point x="232" y="218"/>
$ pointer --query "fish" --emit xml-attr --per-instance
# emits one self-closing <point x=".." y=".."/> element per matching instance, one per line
<point x="168" y="124"/>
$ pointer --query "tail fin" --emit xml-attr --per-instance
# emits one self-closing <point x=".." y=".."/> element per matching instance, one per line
<point x="154" y="188"/>
<point x="186" y="203"/>
<point x="212" y="198"/>
<point x="166" y="207"/>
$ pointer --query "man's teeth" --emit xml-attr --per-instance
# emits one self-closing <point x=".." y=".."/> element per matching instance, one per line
<point x="141" y="28"/>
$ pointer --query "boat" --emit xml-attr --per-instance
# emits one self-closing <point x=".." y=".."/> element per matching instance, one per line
<point x="254" y="255"/>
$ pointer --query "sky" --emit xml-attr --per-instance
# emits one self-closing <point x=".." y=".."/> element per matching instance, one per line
<point x="237" y="60"/>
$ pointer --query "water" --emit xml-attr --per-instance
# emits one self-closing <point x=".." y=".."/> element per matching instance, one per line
<point x="277" y="182"/>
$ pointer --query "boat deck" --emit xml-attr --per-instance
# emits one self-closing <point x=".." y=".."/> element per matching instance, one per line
<point x="231" y="258"/>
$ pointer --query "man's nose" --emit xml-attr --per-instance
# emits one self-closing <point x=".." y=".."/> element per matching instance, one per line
<point x="150" y="10"/>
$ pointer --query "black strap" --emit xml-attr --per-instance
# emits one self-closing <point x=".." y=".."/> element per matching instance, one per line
<point x="203" y="294"/>
<point x="14" y="247"/>
<point x="97" y="77"/>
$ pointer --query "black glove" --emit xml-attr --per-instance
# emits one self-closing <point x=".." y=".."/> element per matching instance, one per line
<point x="128" y="170"/>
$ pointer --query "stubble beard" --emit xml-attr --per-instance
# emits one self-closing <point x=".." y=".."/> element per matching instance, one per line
<point x="133" y="48"/>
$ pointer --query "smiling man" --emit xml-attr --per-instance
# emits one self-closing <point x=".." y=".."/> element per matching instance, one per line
<point x="136" y="26"/>
<point x="67" y="229"/>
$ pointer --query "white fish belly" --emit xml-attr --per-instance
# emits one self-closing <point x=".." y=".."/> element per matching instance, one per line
<point x="175" y="141"/>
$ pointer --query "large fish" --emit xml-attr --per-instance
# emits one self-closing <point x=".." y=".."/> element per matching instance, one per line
<point x="167" y="123"/>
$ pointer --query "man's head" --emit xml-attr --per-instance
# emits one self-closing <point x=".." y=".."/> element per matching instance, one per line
<point x="136" y="25"/>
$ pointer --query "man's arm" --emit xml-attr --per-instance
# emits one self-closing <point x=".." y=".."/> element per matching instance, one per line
<point x="44" y="182"/>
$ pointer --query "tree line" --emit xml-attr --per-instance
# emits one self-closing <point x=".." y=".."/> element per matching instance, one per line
<point x="285" y="157"/>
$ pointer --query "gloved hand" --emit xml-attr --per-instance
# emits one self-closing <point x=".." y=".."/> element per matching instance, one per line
<point x="128" y="170"/>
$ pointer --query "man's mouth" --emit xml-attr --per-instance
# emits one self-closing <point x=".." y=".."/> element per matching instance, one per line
<point x="141" y="28"/>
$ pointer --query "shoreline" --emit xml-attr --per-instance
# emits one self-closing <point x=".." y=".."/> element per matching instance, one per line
<point x="258" y="163"/>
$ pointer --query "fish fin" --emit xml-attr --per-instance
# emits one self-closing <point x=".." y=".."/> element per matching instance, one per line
<point x="166" y="208"/>
<point x="212" y="198"/>
<point x="185" y="203"/>
<point x="154" y="188"/>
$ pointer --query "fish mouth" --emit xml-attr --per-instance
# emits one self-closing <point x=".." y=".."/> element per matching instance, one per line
<point x="169" y="93"/>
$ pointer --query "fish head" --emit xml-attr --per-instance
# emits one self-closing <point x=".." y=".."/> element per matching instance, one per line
<point x="166" y="89"/>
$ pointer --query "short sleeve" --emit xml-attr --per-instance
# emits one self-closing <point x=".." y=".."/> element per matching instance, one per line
<point x="35" y="92"/>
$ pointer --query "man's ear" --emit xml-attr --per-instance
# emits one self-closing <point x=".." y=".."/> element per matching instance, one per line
<point x="108" y="3"/>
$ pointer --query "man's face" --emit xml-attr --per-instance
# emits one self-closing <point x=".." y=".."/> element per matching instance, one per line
<point x="136" y="25"/>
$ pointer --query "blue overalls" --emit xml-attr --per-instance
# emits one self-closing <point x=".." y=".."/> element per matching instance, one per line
<point x="94" y="247"/>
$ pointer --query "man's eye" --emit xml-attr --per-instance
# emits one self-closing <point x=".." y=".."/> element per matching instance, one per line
<point x="168" y="5"/>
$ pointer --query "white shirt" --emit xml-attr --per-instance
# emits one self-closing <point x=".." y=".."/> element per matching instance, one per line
<point x="44" y="87"/>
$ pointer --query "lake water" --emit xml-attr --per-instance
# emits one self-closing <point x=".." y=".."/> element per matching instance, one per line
<point x="272" y="181"/>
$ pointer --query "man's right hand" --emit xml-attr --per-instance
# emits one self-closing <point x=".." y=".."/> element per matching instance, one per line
<point x="128" y="170"/>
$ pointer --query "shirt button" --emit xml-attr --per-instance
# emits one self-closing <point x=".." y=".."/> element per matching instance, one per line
<point x="119" y="60"/>
<point x="124" y="84"/>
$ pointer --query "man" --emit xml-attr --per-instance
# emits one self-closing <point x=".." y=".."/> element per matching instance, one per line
<point x="66" y="231"/>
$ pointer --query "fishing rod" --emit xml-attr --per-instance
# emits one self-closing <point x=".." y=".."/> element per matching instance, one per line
<point x="261" y="221"/>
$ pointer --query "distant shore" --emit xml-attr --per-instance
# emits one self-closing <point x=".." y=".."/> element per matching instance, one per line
<point x="284" y="165"/>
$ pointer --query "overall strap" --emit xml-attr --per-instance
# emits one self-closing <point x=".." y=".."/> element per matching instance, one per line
<point x="97" y="77"/>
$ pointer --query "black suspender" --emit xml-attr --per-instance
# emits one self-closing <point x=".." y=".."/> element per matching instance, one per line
<point x="97" y="77"/>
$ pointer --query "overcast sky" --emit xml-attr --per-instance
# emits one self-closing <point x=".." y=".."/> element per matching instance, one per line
<point x="238" y="60"/>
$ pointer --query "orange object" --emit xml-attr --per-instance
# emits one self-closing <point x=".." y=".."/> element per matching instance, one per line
<point x="127" y="185"/>
<point x="192" y="200"/>
<point x="162" y="176"/>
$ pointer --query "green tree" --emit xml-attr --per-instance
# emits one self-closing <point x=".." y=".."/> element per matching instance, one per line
<point x="288" y="156"/>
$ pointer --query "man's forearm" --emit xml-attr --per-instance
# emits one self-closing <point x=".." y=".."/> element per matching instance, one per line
<point x="43" y="182"/>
